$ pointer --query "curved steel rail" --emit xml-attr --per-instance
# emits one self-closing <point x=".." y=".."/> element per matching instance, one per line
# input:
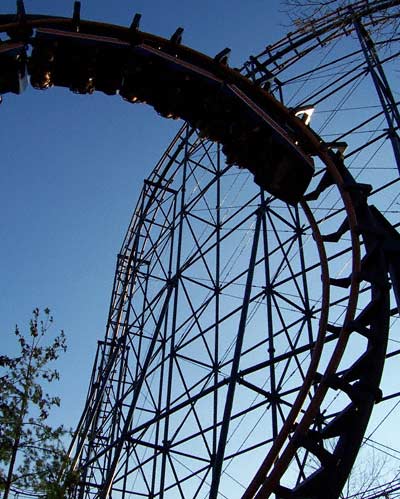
<point x="177" y="82"/>
<point x="276" y="146"/>
<point x="315" y="33"/>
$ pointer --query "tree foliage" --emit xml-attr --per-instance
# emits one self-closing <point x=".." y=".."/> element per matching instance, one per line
<point x="304" y="13"/>
<point x="31" y="450"/>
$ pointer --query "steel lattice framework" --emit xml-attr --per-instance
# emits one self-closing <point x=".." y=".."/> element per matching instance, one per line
<point x="246" y="336"/>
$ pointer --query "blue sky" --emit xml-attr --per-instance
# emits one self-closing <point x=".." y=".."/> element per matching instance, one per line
<point x="72" y="169"/>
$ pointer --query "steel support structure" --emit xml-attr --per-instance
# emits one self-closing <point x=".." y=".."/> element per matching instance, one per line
<point x="382" y="87"/>
<point x="294" y="321"/>
<point x="241" y="329"/>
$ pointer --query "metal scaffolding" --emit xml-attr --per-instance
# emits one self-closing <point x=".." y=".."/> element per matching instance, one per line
<point x="249" y="322"/>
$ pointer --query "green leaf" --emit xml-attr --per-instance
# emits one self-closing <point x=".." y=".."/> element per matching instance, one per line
<point x="32" y="455"/>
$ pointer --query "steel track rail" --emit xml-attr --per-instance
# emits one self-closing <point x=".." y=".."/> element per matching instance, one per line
<point x="74" y="43"/>
<point x="337" y="24"/>
<point x="173" y="79"/>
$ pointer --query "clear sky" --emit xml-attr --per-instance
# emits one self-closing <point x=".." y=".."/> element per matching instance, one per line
<point x="72" y="169"/>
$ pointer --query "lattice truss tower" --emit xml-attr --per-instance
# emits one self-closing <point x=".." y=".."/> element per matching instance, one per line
<point x="254" y="299"/>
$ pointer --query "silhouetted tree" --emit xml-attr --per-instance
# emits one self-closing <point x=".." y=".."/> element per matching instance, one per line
<point x="32" y="454"/>
<point x="302" y="13"/>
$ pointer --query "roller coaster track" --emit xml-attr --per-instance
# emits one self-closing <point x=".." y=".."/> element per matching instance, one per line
<point x="315" y="368"/>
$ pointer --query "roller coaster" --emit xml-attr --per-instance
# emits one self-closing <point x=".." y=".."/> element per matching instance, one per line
<point x="249" y="321"/>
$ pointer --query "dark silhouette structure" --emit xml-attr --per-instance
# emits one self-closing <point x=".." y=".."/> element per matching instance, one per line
<point x="249" y="322"/>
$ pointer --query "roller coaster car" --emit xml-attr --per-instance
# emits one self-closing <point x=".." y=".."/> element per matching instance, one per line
<point x="147" y="79"/>
<point x="170" y="104"/>
<point x="275" y="167"/>
<point x="139" y="81"/>
<point x="254" y="130"/>
<point x="81" y="62"/>
<point x="220" y="118"/>
<point x="174" y="88"/>
<point x="12" y="67"/>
